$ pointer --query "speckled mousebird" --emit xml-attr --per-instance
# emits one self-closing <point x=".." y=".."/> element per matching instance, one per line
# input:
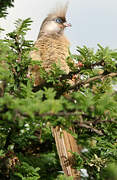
<point x="52" y="47"/>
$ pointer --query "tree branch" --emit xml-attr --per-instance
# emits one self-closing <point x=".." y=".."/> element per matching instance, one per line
<point x="91" y="128"/>
<point x="86" y="82"/>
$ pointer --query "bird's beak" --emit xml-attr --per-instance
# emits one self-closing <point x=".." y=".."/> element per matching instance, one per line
<point x="67" y="24"/>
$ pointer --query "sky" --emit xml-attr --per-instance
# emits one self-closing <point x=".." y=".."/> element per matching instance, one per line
<point x="93" y="21"/>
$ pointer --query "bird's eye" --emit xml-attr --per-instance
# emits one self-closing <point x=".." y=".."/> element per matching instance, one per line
<point x="59" y="20"/>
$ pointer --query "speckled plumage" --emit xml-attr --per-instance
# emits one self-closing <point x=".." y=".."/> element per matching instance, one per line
<point x="51" y="48"/>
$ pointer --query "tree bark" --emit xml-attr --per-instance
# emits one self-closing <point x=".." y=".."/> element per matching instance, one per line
<point x="66" y="144"/>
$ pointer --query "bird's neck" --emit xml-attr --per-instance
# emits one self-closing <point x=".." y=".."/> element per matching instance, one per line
<point x="53" y="34"/>
<point x="61" y="38"/>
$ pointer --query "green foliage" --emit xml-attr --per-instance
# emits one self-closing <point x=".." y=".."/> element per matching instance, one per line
<point x="27" y="147"/>
<point x="62" y="177"/>
<point x="3" y="6"/>
<point x="110" y="172"/>
<point x="27" y="172"/>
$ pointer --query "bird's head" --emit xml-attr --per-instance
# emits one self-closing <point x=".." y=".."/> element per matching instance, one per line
<point x="55" y="22"/>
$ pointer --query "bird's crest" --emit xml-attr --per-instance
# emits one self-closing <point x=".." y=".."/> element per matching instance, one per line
<point x="59" y="11"/>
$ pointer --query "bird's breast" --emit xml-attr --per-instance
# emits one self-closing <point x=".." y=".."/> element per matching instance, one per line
<point x="52" y="49"/>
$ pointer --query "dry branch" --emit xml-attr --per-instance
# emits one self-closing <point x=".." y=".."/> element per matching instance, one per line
<point x="86" y="82"/>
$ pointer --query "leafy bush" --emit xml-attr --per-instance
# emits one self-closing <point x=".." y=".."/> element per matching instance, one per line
<point x="27" y="113"/>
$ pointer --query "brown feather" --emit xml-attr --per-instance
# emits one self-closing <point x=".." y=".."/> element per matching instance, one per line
<point x="51" y="49"/>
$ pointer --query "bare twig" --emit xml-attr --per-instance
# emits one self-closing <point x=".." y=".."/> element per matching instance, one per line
<point x="100" y="77"/>
<point x="91" y="128"/>
<point x="59" y="114"/>
<point x="104" y="121"/>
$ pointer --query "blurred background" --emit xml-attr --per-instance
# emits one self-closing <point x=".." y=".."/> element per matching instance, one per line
<point x="93" y="21"/>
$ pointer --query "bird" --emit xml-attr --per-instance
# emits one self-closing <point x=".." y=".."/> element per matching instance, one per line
<point x="52" y="46"/>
